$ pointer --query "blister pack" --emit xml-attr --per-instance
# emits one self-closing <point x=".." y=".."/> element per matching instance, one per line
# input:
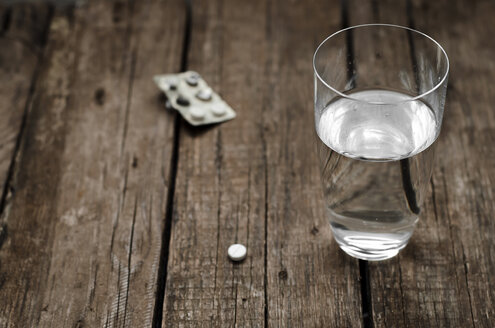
<point x="189" y="94"/>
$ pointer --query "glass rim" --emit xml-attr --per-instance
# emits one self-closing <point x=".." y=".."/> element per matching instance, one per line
<point x="436" y="86"/>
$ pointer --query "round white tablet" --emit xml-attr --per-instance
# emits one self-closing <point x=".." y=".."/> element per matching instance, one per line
<point x="197" y="113"/>
<point x="204" y="94"/>
<point x="192" y="81"/>
<point x="237" y="252"/>
<point x="218" y="110"/>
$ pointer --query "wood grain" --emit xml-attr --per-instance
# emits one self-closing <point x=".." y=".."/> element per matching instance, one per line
<point x="311" y="282"/>
<point x="463" y="183"/>
<point x="220" y="197"/>
<point x="255" y="180"/>
<point x="442" y="278"/>
<point x="85" y="224"/>
<point x="87" y="146"/>
<point x="22" y="36"/>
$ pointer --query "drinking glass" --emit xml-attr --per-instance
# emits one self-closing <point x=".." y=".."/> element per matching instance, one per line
<point x="379" y="98"/>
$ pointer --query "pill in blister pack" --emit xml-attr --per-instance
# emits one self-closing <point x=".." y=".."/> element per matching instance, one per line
<point x="193" y="98"/>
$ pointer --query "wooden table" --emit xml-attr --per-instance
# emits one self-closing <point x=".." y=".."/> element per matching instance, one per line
<point x="116" y="213"/>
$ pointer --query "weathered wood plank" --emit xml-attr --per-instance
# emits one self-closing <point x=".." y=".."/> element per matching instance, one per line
<point x="85" y="224"/>
<point x="442" y="278"/>
<point x="24" y="257"/>
<point x="22" y="34"/>
<point x="255" y="179"/>
<point x="311" y="282"/>
<point x="220" y="196"/>
<point x="463" y="183"/>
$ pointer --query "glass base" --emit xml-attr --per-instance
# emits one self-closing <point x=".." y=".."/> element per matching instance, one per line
<point x="371" y="246"/>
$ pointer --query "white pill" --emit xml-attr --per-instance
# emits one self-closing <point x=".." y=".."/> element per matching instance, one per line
<point x="218" y="110"/>
<point x="197" y="113"/>
<point x="204" y="94"/>
<point x="193" y="79"/>
<point x="237" y="252"/>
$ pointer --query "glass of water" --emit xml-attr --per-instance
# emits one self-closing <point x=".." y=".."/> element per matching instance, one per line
<point x="379" y="98"/>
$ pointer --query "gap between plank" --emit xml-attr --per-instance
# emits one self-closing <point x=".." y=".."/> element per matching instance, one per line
<point x="404" y="163"/>
<point x="349" y="43"/>
<point x="167" y="230"/>
<point x="8" y="188"/>
<point x="7" y="18"/>
<point x="265" y="259"/>
<point x="264" y="145"/>
<point x="366" y="303"/>
<point x="364" y="278"/>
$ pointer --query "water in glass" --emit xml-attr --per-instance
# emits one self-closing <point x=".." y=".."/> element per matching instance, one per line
<point x="376" y="161"/>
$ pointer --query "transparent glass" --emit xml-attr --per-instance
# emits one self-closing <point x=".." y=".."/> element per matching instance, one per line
<point x="379" y="99"/>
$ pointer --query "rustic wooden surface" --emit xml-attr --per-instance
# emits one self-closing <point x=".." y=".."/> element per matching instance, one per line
<point x="252" y="181"/>
<point x="23" y="33"/>
<point x="441" y="279"/>
<point x="84" y="225"/>
<point x="116" y="213"/>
